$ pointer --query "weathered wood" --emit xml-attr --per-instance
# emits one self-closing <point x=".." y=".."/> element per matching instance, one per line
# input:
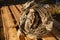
<point x="8" y="20"/>
<point x="8" y="24"/>
<point x="15" y="12"/>
<point x="17" y="15"/>
<point x="19" y="8"/>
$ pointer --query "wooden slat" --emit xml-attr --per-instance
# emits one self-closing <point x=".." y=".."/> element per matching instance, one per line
<point x="8" y="24"/>
<point x="49" y="37"/>
<point x="19" y="8"/>
<point x="8" y="20"/>
<point x="15" y="13"/>
<point x="13" y="34"/>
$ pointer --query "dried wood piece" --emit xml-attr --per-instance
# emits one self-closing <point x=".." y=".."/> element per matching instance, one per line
<point x="35" y="20"/>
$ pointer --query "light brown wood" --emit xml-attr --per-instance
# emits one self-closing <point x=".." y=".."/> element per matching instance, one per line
<point x="4" y="29"/>
<point x="9" y="28"/>
<point x="19" y="8"/>
<point x="15" y="13"/>
<point x="8" y="20"/>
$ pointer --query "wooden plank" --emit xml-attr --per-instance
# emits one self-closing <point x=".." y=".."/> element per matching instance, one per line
<point x="15" y="12"/>
<point x="5" y="30"/>
<point x="8" y="24"/>
<point x="49" y="37"/>
<point x="19" y="7"/>
<point x="17" y="15"/>
<point x="8" y="20"/>
<point x="13" y="34"/>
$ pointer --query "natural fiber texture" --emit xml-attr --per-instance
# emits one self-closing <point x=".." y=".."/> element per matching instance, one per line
<point x="35" y="20"/>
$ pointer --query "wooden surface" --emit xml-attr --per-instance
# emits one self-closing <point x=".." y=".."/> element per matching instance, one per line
<point x="10" y="18"/>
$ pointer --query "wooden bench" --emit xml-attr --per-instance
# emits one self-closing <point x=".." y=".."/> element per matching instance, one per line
<point x="10" y="18"/>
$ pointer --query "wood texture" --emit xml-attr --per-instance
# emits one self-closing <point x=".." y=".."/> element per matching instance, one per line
<point x="10" y="31"/>
<point x="8" y="24"/>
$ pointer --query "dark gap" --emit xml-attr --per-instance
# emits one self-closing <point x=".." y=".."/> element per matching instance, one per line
<point x="56" y="17"/>
<point x="17" y="27"/>
<point x="22" y="26"/>
<point x="40" y="21"/>
<point x="57" y="28"/>
<point x="12" y="15"/>
<point x="27" y="13"/>
<point x="18" y="9"/>
<point x="15" y="2"/>
<point x="39" y="39"/>
<point x="33" y="22"/>
<point x="12" y="2"/>
<point x="46" y="13"/>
